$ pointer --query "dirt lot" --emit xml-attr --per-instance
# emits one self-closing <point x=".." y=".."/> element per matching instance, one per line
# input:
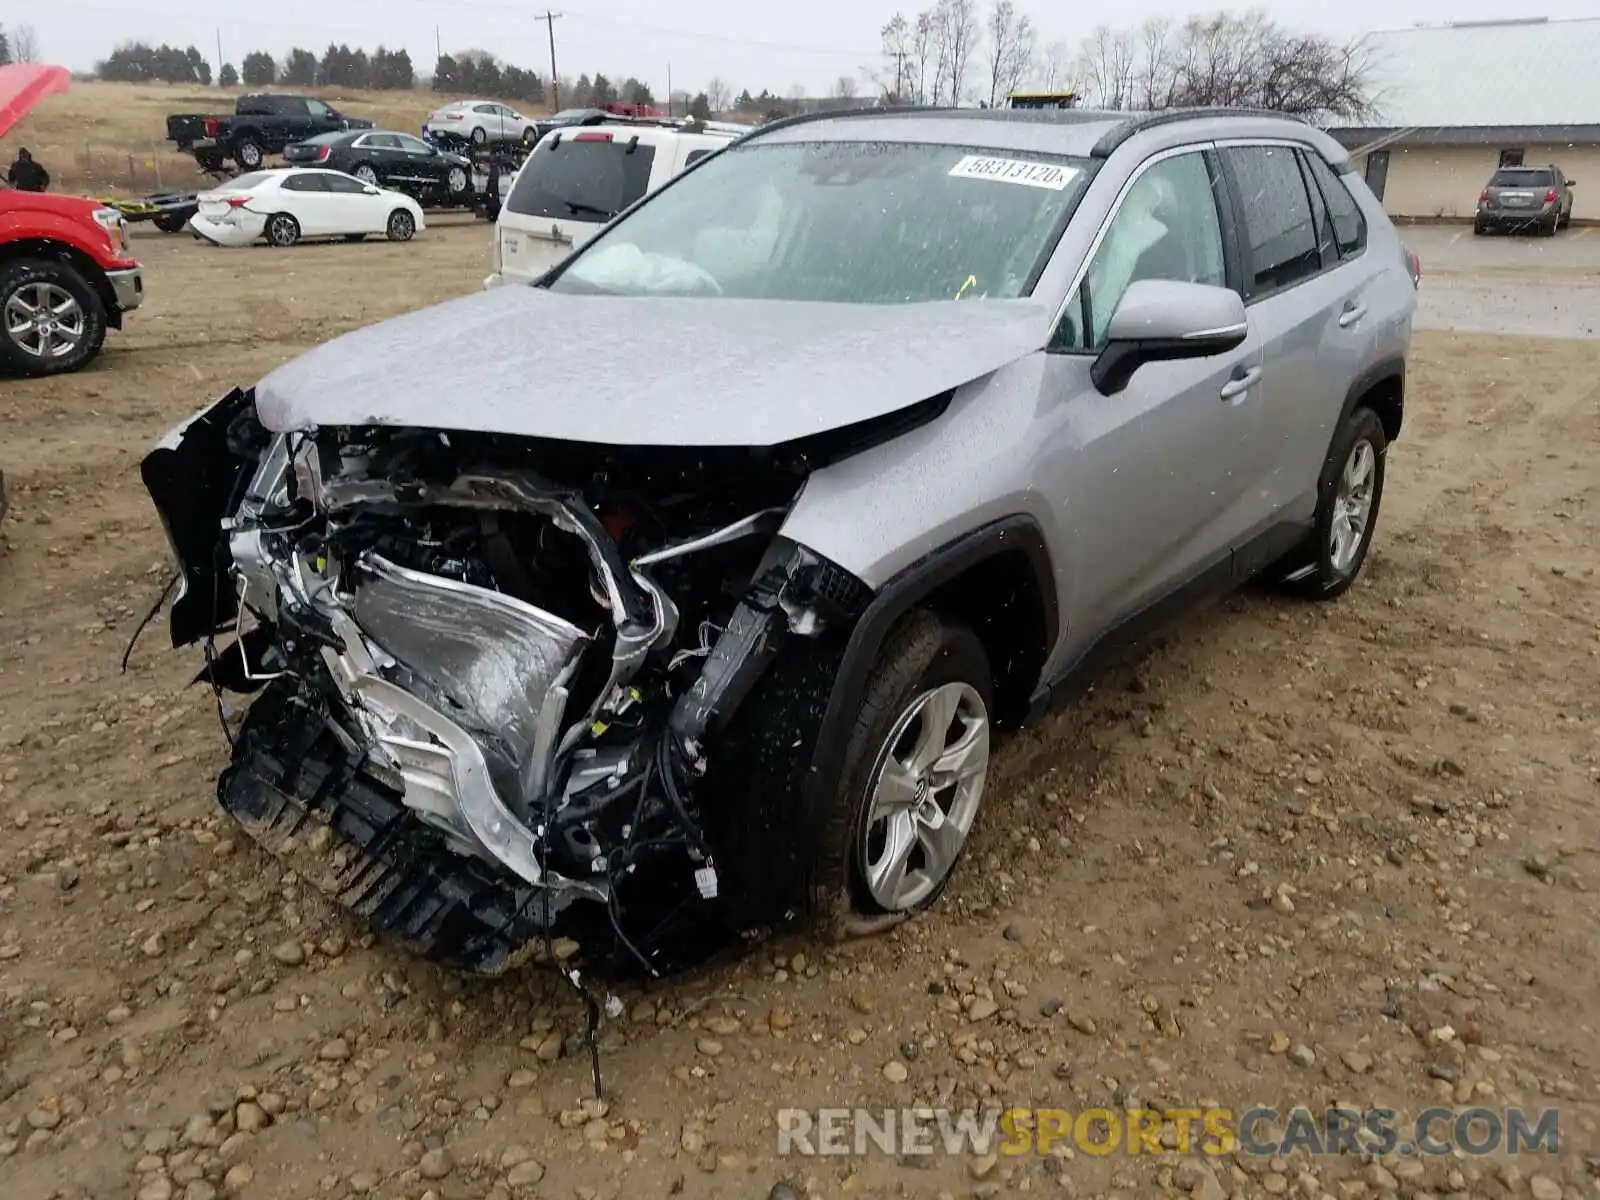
<point x="1300" y="855"/>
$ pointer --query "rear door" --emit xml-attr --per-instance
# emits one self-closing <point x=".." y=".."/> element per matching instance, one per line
<point x="1305" y="297"/>
<point x="382" y="152"/>
<point x="570" y="186"/>
<point x="306" y="197"/>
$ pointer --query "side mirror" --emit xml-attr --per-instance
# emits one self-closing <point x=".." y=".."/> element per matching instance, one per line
<point x="372" y="191"/>
<point x="1161" y="320"/>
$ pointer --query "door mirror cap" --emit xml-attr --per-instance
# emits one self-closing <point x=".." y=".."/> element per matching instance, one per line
<point x="1162" y="320"/>
<point x="372" y="191"/>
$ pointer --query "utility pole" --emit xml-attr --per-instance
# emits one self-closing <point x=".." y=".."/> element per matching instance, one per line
<point x="219" y="54"/>
<point x="549" y="20"/>
<point x="438" y="46"/>
<point x="669" y="91"/>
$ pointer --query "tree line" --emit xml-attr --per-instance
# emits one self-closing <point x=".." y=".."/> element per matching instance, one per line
<point x="19" y="44"/>
<point x="952" y="54"/>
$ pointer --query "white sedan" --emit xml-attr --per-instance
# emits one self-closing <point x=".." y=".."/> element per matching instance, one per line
<point x="292" y="203"/>
<point x="480" y="122"/>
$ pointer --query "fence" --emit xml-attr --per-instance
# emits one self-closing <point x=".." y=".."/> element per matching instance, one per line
<point x="148" y="168"/>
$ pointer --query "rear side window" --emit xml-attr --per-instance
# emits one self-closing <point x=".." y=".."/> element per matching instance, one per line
<point x="581" y="180"/>
<point x="1349" y="225"/>
<point x="1521" y="178"/>
<point x="1280" y="231"/>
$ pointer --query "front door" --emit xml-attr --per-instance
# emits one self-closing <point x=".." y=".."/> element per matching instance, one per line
<point x="1152" y="482"/>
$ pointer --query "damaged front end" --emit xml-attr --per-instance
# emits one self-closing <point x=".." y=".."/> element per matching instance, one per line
<point x="492" y="668"/>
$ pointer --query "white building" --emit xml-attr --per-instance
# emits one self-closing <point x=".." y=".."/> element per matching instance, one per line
<point x="1453" y="102"/>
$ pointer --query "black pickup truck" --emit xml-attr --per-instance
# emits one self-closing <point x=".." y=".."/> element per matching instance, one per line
<point x="261" y="124"/>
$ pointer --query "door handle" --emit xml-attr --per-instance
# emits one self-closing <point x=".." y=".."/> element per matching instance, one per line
<point x="1351" y="315"/>
<point x="1240" y="384"/>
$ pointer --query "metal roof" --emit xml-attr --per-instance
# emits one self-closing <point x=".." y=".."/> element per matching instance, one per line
<point x="1518" y="72"/>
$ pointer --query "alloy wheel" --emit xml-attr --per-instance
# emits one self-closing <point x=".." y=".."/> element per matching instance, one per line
<point x="924" y="796"/>
<point x="45" y="320"/>
<point x="1352" y="506"/>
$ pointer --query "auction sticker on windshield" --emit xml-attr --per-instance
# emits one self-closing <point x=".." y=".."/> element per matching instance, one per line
<point x="1014" y="170"/>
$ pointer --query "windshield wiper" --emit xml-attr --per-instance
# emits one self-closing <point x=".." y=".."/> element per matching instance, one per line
<point x="578" y="208"/>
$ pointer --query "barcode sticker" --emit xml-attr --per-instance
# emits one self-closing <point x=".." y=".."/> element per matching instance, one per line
<point x="1015" y="170"/>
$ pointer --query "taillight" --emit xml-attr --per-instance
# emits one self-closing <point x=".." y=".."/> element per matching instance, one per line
<point x="322" y="155"/>
<point x="238" y="201"/>
<point x="211" y="127"/>
<point x="1483" y="196"/>
<point x="1414" y="267"/>
<point x="1550" y="197"/>
<point x="591" y="137"/>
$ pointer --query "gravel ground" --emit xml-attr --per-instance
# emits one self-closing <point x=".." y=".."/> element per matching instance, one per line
<point x="1298" y="855"/>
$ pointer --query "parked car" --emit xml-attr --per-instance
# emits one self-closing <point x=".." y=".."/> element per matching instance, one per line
<point x="262" y="123"/>
<point x="292" y="204"/>
<point x="902" y="422"/>
<point x="397" y="161"/>
<point x="66" y="276"/>
<point x="578" y="179"/>
<point x="481" y="123"/>
<point x="1518" y="198"/>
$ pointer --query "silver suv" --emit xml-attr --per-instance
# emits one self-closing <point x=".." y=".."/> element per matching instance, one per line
<point x="910" y="418"/>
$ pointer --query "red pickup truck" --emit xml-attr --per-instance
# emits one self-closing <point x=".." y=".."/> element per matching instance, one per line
<point x="66" y="275"/>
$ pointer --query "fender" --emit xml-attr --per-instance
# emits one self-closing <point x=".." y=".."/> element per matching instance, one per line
<point x="900" y="594"/>
<point x="76" y="233"/>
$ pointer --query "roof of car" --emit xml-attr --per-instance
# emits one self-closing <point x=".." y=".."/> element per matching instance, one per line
<point x="1076" y="131"/>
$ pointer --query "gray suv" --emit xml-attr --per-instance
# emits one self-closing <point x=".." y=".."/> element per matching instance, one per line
<point x="1521" y="198"/>
<point x="696" y="609"/>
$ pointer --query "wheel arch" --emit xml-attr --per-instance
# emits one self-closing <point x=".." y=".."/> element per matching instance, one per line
<point x="997" y="579"/>
<point x="1382" y="388"/>
<point x="49" y="250"/>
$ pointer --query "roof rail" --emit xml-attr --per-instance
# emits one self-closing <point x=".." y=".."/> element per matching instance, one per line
<point x="1137" y="123"/>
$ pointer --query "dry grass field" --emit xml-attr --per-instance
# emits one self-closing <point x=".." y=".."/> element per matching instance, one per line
<point x="112" y="136"/>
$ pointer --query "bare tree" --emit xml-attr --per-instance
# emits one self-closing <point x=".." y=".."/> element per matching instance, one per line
<point x="955" y="29"/>
<point x="1107" y="67"/>
<point x="844" y="88"/>
<point x="1010" y="52"/>
<point x="924" y="60"/>
<point x="892" y="74"/>
<point x="1058" y="67"/>
<point x="25" y="44"/>
<point x="1229" y="60"/>
<point x="719" y="95"/>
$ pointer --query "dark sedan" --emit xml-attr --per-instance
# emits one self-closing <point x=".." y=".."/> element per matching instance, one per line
<point x="398" y="161"/>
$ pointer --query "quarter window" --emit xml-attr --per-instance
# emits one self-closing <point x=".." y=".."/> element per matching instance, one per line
<point x="1349" y="225"/>
<point x="1166" y="227"/>
<point x="1280" y="232"/>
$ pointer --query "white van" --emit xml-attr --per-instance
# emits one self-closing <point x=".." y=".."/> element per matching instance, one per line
<point x="579" y="177"/>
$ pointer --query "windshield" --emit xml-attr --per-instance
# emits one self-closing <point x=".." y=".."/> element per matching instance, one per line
<point x="842" y="222"/>
<point x="571" y="114"/>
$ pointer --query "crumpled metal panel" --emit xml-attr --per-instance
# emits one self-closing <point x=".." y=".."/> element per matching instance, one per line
<point x="495" y="659"/>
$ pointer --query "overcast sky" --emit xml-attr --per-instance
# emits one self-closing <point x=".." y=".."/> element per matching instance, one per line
<point x="747" y="43"/>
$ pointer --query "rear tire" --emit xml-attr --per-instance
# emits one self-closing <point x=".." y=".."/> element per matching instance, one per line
<point x="26" y="285"/>
<point x="282" y="230"/>
<point x="1349" y="495"/>
<point x="1548" y="228"/>
<point x="402" y="225"/>
<point x="247" y="152"/>
<point x="480" y="136"/>
<point x="366" y="174"/>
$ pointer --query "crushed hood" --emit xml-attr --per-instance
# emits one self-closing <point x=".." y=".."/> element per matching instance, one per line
<point x="647" y="370"/>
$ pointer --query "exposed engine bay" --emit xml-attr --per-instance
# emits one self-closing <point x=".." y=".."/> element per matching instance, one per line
<point x="496" y="667"/>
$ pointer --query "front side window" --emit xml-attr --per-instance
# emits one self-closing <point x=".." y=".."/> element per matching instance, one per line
<point x="1166" y="227"/>
<point x="344" y="184"/>
<point x="415" y="145"/>
<point x="1280" y="232"/>
<point x="840" y="222"/>
<point x="303" y="183"/>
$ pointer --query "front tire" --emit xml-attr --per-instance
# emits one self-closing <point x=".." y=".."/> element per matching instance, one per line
<point x="52" y="320"/>
<point x="282" y="230"/>
<point x="1349" y="494"/>
<point x="402" y="225"/>
<point x="457" y="182"/>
